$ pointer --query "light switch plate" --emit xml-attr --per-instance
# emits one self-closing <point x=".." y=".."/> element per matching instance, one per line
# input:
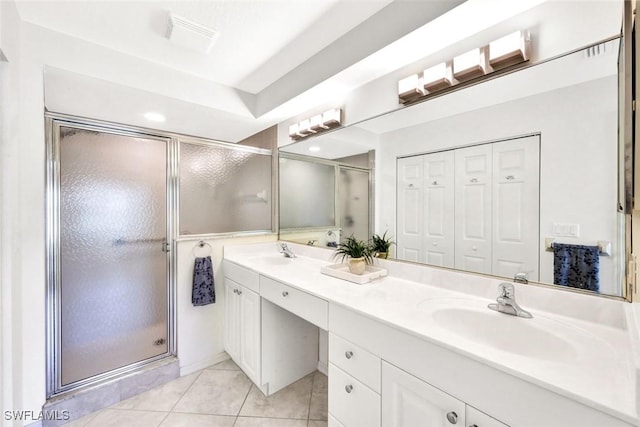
<point x="566" y="230"/>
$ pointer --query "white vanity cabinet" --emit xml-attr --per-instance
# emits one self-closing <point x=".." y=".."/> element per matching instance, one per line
<point x="409" y="401"/>
<point x="271" y="329"/>
<point x="242" y="320"/>
<point x="354" y="384"/>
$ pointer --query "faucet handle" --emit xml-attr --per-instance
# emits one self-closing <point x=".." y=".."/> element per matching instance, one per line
<point x="506" y="290"/>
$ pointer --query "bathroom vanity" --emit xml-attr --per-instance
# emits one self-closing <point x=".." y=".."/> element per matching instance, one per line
<point x="421" y="344"/>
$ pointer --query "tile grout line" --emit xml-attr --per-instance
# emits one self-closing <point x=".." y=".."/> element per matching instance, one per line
<point x="243" y="403"/>
<point x="185" y="392"/>
<point x="313" y="383"/>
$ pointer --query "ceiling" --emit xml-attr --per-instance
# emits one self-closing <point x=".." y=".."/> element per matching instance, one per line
<point x="273" y="59"/>
<point x="259" y="41"/>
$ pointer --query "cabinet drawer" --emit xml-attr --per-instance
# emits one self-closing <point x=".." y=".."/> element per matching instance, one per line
<point x="356" y="361"/>
<point x="244" y="276"/>
<point x="302" y="304"/>
<point x="351" y="402"/>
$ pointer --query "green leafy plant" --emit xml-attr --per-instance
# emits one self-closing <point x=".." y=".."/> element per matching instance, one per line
<point x="381" y="244"/>
<point x="351" y="247"/>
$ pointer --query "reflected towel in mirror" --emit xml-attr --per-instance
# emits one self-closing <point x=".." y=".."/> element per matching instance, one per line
<point x="203" y="292"/>
<point x="577" y="266"/>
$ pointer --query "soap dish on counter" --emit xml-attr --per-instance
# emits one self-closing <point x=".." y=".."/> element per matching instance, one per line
<point x="341" y="271"/>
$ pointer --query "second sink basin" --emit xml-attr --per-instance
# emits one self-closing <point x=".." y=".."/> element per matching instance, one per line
<point x="504" y="332"/>
<point x="539" y="338"/>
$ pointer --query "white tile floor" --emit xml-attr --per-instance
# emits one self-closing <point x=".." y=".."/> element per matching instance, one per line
<point x="219" y="396"/>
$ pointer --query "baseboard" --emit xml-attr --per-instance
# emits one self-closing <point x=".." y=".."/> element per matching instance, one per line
<point x="323" y="367"/>
<point x="202" y="364"/>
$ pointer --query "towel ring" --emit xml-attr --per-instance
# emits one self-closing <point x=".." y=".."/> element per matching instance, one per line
<point x="201" y="244"/>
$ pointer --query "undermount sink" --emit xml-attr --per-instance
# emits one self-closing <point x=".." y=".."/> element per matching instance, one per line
<point x="538" y="338"/>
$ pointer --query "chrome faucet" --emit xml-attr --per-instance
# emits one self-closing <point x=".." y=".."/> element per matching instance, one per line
<point x="506" y="302"/>
<point x="284" y="249"/>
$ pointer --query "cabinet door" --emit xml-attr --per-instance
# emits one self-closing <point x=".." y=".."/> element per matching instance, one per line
<point x="408" y="401"/>
<point x="476" y="418"/>
<point x="473" y="208"/>
<point x="409" y="208"/>
<point x="516" y="210"/>
<point x="439" y="175"/>
<point x="249" y="317"/>
<point x="231" y="317"/>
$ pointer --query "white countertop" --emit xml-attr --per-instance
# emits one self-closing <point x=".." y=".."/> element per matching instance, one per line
<point x="603" y="376"/>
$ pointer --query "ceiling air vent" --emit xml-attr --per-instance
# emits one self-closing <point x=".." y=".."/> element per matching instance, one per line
<point x="190" y="35"/>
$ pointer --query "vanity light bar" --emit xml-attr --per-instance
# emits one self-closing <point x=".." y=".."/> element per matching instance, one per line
<point x="438" y="77"/>
<point x="316" y="124"/>
<point x="509" y="50"/>
<point x="409" y="88"/>
<point x="471" y="64"/>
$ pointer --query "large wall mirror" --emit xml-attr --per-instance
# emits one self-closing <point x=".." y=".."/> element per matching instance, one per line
<point x="516" y="176"/>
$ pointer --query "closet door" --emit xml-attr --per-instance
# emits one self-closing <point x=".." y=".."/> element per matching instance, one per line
<point x="516" y="182"/>
<point x="409" y="208"/>
<point x="439" y="177"/>
<point x="473" y="208"/>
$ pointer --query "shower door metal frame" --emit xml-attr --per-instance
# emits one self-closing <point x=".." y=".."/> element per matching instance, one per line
<point x="53" y="123"/>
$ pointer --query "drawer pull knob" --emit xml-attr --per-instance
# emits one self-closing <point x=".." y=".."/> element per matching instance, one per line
<point x="239" y="292"/>
<point x="452" y="417"/>
<point x="235" y="291"/>
<point x="348" y="354"/>
<point x="348" y="388"/>
<point x="285" y="294"/>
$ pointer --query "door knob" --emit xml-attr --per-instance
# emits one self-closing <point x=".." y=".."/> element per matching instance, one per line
<point x="452" y="417"/>
<point x="348" y="354"/>
<point x="348" y="388"/>
<point x="285" y="293"/>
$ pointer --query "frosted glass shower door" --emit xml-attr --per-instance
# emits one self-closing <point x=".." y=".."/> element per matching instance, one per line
<point x="113" y="262"/>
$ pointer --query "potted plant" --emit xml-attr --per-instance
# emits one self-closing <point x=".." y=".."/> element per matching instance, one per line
<point x="357" y="252"/>
<point x="381" y="245"/>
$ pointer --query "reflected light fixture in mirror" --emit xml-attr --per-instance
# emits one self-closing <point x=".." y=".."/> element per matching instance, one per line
<point x="316" y="124"/>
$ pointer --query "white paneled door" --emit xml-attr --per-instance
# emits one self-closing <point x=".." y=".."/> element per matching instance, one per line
<point x="438" y="219"/>
<point x="410" y="208"/>
<point x="473" y="208"/>
<point x="516" y="216"/>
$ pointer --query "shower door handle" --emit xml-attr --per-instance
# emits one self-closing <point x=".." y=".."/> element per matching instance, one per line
<point x="166" y="247"/>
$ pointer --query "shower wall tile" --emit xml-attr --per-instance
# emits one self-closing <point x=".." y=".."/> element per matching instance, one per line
<point x="83" y="403"/>
<point x="95" y="398"/>
<point x="146" y="380"/>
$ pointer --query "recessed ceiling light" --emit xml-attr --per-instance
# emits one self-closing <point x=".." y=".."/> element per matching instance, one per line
<point x="314" y="148"/>
<point x="152" y="116"/>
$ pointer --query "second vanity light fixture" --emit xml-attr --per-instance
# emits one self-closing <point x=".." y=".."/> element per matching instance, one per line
<point x="507" y="51"/>
<point x="316" y="124"/>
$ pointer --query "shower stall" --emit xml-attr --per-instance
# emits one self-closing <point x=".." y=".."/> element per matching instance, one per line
<point x="110" y="230"/>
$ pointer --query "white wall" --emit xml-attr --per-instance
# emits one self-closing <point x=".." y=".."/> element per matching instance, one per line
<point x="10" y="330"/>
<point x="200" y="329"/>
<point x="578" y="127"/>
<point x="29" y="50"/>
